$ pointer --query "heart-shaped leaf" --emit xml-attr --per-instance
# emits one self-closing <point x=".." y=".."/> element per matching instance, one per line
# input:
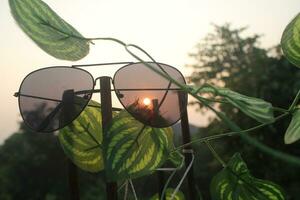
<point x="235" y="182"/>
<point x="255" y="108"/>
<point x="84" y="133"/>
<point x="290" y="41"/>
<point x="293" y="132"/>
<point x="49" y="31"/>
<point x="133" y="150"/>
<point x="179" y="195"/>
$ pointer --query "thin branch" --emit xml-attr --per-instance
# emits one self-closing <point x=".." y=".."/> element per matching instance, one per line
<point x="228" y="134"/>
<point x="215" y="154"/>
<point x="277" y="154"/>
<point x="296" y="99"/>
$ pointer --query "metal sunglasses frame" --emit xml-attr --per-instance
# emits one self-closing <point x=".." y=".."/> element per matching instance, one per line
<point x="93" y="90"/>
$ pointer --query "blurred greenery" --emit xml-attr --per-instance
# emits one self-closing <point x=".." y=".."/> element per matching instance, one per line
<point x="228" y="58"/>
<point x="33" y="165"/>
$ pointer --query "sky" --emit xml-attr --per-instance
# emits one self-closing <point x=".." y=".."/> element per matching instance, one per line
<point x="167" y="29"/>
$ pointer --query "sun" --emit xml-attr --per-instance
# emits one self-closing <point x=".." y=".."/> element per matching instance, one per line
<point x="146" y="101"/>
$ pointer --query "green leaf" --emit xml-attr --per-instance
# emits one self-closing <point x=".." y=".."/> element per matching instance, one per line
<point x="290" y="41"/>
<point x="84" y="133"/>
<point x="293" y="132"/>
<point x="176" y="158"/>
<point x="255" y="108"/>
<point x="49" y="31"/>
<point x="235" y="182"/>
<point x="131" y="153"/>
<point x="179" y="195"/>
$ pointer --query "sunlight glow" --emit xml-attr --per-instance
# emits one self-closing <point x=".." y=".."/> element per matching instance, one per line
<point x="146" y="101"/>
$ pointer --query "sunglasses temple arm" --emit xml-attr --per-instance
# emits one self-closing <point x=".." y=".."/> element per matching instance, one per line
<point x="17" y="94"/>
<point x="47" y="120"/>
<point x="67" y="97"/>
<point x="44" y="124"/>
<point x="128" y="89"/>
<point x="56" y="100"/>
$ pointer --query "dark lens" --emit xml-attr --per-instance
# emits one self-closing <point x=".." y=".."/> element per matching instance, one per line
<point x="149" y="97"/>
<point x="51" y="98"/>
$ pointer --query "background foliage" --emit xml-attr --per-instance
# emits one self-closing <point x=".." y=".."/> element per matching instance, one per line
<point x="239" y="63"/>
<point x="33" y="166"/>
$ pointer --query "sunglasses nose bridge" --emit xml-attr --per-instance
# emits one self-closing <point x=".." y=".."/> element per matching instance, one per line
<point x="100" y="77"/>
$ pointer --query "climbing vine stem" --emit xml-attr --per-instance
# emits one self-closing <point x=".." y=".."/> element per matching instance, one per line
<point x="195" y="92"/>
<point x="215" y="154"/>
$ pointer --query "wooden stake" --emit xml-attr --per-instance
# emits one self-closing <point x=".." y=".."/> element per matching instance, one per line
<point x="73" y="181"/>
<point x="67" y="108"/>
<point x="106" y="111"/>
<point x="186" y="138"/>
<point x="160" y="174"/>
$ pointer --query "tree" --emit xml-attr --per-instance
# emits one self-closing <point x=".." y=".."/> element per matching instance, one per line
<point x="33" y="166"/>
<point x="228" y="58"/>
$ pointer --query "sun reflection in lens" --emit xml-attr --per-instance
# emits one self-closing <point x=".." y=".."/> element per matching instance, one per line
<point x="147" y="101"/>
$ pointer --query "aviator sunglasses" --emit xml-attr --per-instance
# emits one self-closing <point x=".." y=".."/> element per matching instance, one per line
<point x="51" y="98"/>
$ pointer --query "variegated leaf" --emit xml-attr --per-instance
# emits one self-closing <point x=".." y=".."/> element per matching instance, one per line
<point x="179" y="195"/>
<point x="290" y="41"/>
<point x="293" y="132"/>
<point x="176" y="158"/>
<point x="133" y="150"/>
<point x="83" y="134"/>
<point x="255" y="108"/>
<point x="49" y="31"/>
<point x="235" y="183"/>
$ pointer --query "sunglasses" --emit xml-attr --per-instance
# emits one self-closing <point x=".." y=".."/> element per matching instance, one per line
<point x="51" y="98"/>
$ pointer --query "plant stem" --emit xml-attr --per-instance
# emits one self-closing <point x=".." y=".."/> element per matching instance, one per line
<point x="109" y="39"/>
<point x="280" y="109"/>
<point x="215" y="154"/>
<point x="295" y="101"/>
<point x="272" y="152"/>
<point x="195" y="93"/>
<point x="232" y="133"/>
